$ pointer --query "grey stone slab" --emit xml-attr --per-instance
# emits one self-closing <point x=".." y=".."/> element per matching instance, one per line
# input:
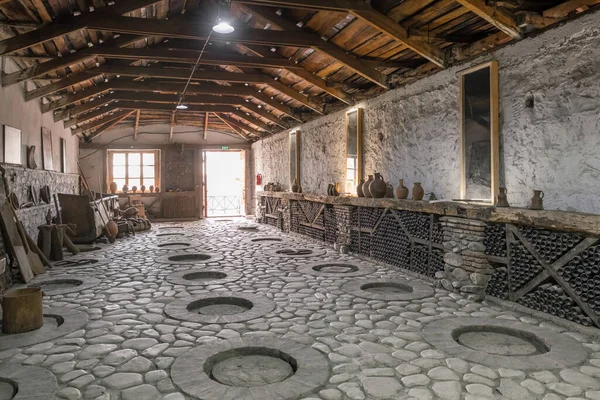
<point x="400" y="289"/>
<point x="30" y="383"/>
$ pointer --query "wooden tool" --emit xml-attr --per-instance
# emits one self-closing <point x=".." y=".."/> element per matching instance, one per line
<point x="15" y="244"/>
<point x="34" y="260"/>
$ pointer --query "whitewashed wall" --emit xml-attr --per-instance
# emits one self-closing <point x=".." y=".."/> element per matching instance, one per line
<point x="412" y="132"/>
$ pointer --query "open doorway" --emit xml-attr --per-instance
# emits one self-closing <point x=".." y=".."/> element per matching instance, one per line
<point x="224" y="183"/>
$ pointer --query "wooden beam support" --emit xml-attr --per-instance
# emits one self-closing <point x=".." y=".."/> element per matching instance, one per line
<point x="69" y="25"/>
<point x="328" y="48"/>
<point x="567" y="7"/>
<point x="83" y="108"/>
<point x="100" y="121"/>
<point x="81" y="119"/>
<point x="501" y="19"/>
<point x="329" y="5"/>
<point x="233" y="127"/>
<point x="388" y="26"/>
<point x="205" y="132"/>
<point x="108" y="125"/>
<point x="58" y="85"/>
<point x="172" y="126"/>
<point x="137" y="124"/>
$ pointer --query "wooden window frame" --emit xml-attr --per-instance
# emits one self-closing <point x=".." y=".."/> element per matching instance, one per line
<point x="156" y="153"/>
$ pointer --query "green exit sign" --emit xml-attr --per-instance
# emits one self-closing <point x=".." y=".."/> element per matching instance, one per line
<point x="224" y="147"/>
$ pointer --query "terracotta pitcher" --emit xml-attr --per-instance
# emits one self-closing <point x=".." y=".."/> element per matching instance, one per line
<point x="378" y="187"/>
<point x="359" y="188"/>
<point x="502" y="198"/>
<point x="295" y="186"/>
<point x="402" y="191"/>
<point x="390" y="191"/>
<point x="365" y="187"/>
<point x="537" y="201"/>
<point x="113" y="187"/>
<point x="418" y="191"/>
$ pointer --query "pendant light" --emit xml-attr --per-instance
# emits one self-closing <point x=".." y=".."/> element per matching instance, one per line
<point x="223" y="26"/>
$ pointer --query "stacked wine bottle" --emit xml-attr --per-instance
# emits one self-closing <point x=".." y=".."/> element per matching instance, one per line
<point x="437" y="261"/>
<point x="311" y="232"/>
<point x="582" y="273"/>
<point x="437" y="235"/>
<point x="420" y="259"/>
<point x="369" y="217"/>
<point x="330" y="225"/>
<point x="417" y="224"/>
<point x="390" y="244"/>
<point x="498" y="283"/>
<point x="551" y="298"/>
<point x="495" y="240"/>
<point x="523" y="266"/>
<point x="550" y="245"/>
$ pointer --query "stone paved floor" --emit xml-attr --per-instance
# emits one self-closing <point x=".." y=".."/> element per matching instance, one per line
<point x="375" y="348"/>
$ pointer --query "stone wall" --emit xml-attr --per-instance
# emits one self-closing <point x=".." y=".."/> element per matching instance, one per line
<point x="413" y="132"/>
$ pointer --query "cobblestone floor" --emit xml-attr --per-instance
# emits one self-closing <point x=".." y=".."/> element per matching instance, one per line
<point x="375" y="348"/>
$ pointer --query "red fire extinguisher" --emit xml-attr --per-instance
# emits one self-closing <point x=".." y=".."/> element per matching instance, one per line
<point x="258" y="179"/>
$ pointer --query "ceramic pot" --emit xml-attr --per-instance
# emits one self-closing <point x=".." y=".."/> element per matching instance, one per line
<point x="134" y="189"/>
<point x="125" y="188"/>
<point x="359" y="191"/>
<point x="418" y="191"/>
<point x="336" y="189"/>
<point x="401" y="190"/>
<point x="143" y="188"/>
<point x="502" y="198"/>
<point x="390" y="191"/>
<point x="295" y="186"/>
<point x="151" y="188"/>
<point x="378" y="187"/>
<point x="537" y="201"/>
<point x="365" y="187"/>
<point x="330" y="190"/>
<point x="157" y="189"/>
<point x="113" y="187"/>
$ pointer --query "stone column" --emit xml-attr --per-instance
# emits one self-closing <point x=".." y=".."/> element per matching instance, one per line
<point x="466" y="268"/>
<point x="342" y="215"/>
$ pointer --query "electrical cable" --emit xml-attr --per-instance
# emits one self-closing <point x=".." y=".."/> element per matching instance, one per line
<point x="187" y="84"/>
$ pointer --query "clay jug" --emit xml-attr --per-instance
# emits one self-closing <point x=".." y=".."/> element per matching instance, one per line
<point x="502" y="198"/>
<point x="143" y="188"/>
<point x="366" y="185"/>
<point x="134" y="189"/>
<point x="151" y="188"/>
<point x="157" y="189"/>
<point x="295" y="186"/>
<point x="378" y="188"/>
<point x="418" y="191"/>
<point x="330" y="190"/>
<point x="389" y="192"/>
<point x="359" y="191"/>
<point x="537" y="201"/>
<point x="336" y="189"/>
<point x="125" y="188"/>
<point x="402" y="191"/>
<point x="113" y="187"/>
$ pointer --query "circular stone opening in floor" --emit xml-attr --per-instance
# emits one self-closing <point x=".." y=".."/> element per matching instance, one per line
<point x="8" y="389"/>
<point x="81" y="262"/>
<point x="204" y="276"/>
<point x="63" y="284"/>
<point x="335" y="268"/>
<point x="248" y="228"/>
<point x="501" y="341"/>
<point x="170" y="227"/>
<point x="87" y="249"/>
<point x="170" y="234"/>
<point x="172" y="245"/>
<point x="190" y="257"/>
<point x="297" y="252"/>
<point x="250" y="367"/>
<point x="386" y="287"/>
<point x="58" y="284"/>
<point x="220" y="306"/>
<point x="260" y="240"/>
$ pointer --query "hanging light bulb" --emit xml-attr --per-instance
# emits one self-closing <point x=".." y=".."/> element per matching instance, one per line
<point x="223" y="25"/>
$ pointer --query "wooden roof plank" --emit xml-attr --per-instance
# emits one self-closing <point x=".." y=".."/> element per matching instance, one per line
<point x="499" y="18"/>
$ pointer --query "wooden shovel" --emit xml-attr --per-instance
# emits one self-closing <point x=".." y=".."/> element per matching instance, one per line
<point x="14" y="240"/>
<point x="34" y="260"/>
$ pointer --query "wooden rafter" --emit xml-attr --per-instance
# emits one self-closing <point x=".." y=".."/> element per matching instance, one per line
<point x="205" y="132"/>
<point x="232" y="126"/>
<point x="172" y="126"/>
<point x="562" y="10"/>
<point x="100" y="121"/>
<point x="108" y="125"/>
<point x="137" y="124"/>
<point x="499" y="18"/>
<point x="327" y="5"/>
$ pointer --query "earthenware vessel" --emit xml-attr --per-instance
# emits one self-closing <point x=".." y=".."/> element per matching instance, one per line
<point x="134" y="189"/>
<point x="390" y="191"/>
<point x="22" y="310"/>
<point x="402" y="191"/>
<point x="365" y="187"/>
<point x="359" y="191"/>
<point x="378" y="187"/>
<point x="143" y="188"/>
<point x="337" y="189"/>
<point x="125" y="188"/>
<point x="330" y="189"/>
<point x="299" y="188"/>
<point x="418" y="191"/>
<point x="502" y="198"/>
<point x="537" y="201"/>
<point x="157" y="189"/>
<point x="113" y="187"/>
<point x="295" y="186"/>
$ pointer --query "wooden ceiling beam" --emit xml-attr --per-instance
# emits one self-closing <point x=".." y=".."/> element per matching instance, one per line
<point x="136" y="126"/>
<point x="233" y="127"/>
<point x="83" y="108"/>
<point x="60" y="84"/>
<point x="100" y="121"/>
<point x="238" y="124"/>
<point x="69" y="25"/>
<point x="83" y="118"/>
<point x="564" y="9"/>
<point x="388" y="26"/>
<point x="205" y="132"/>
<point x="328" y="48"/>
<point x="328" y="5"/>
<point x="108" y="125"/>
<point x="191" y="57"/>
<point x="172" y="126"/>
<point x="499" y="18"/>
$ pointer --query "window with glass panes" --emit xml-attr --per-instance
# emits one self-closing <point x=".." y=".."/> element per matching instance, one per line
<point x="134" y="168"/>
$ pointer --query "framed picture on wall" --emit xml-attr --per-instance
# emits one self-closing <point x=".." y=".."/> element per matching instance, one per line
<point x="63" y="155"/>
<point x="12" y="145"/>
<point x="47" y="149"/>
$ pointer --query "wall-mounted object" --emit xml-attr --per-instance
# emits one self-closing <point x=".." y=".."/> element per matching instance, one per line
<point x="31" y="157"/>
<point x="47" y="162"/>
<point x="354" y="151"/>
<point x="417" y="191"/>
<point x="479" y="130"/>
<point x="502" y="198"/>
<point x="537" y="201"/>
<point x="294" y="157"/>
<point x="401" y="190"/>
<point x="63" y="155"/>
<point x="12" y="145"/>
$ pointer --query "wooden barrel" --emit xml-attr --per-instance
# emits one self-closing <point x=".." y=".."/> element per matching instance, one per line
<point x="22" y="311"/>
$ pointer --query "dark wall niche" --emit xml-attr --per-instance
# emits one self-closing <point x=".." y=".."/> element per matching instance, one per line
<point x="179" y="170"/>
